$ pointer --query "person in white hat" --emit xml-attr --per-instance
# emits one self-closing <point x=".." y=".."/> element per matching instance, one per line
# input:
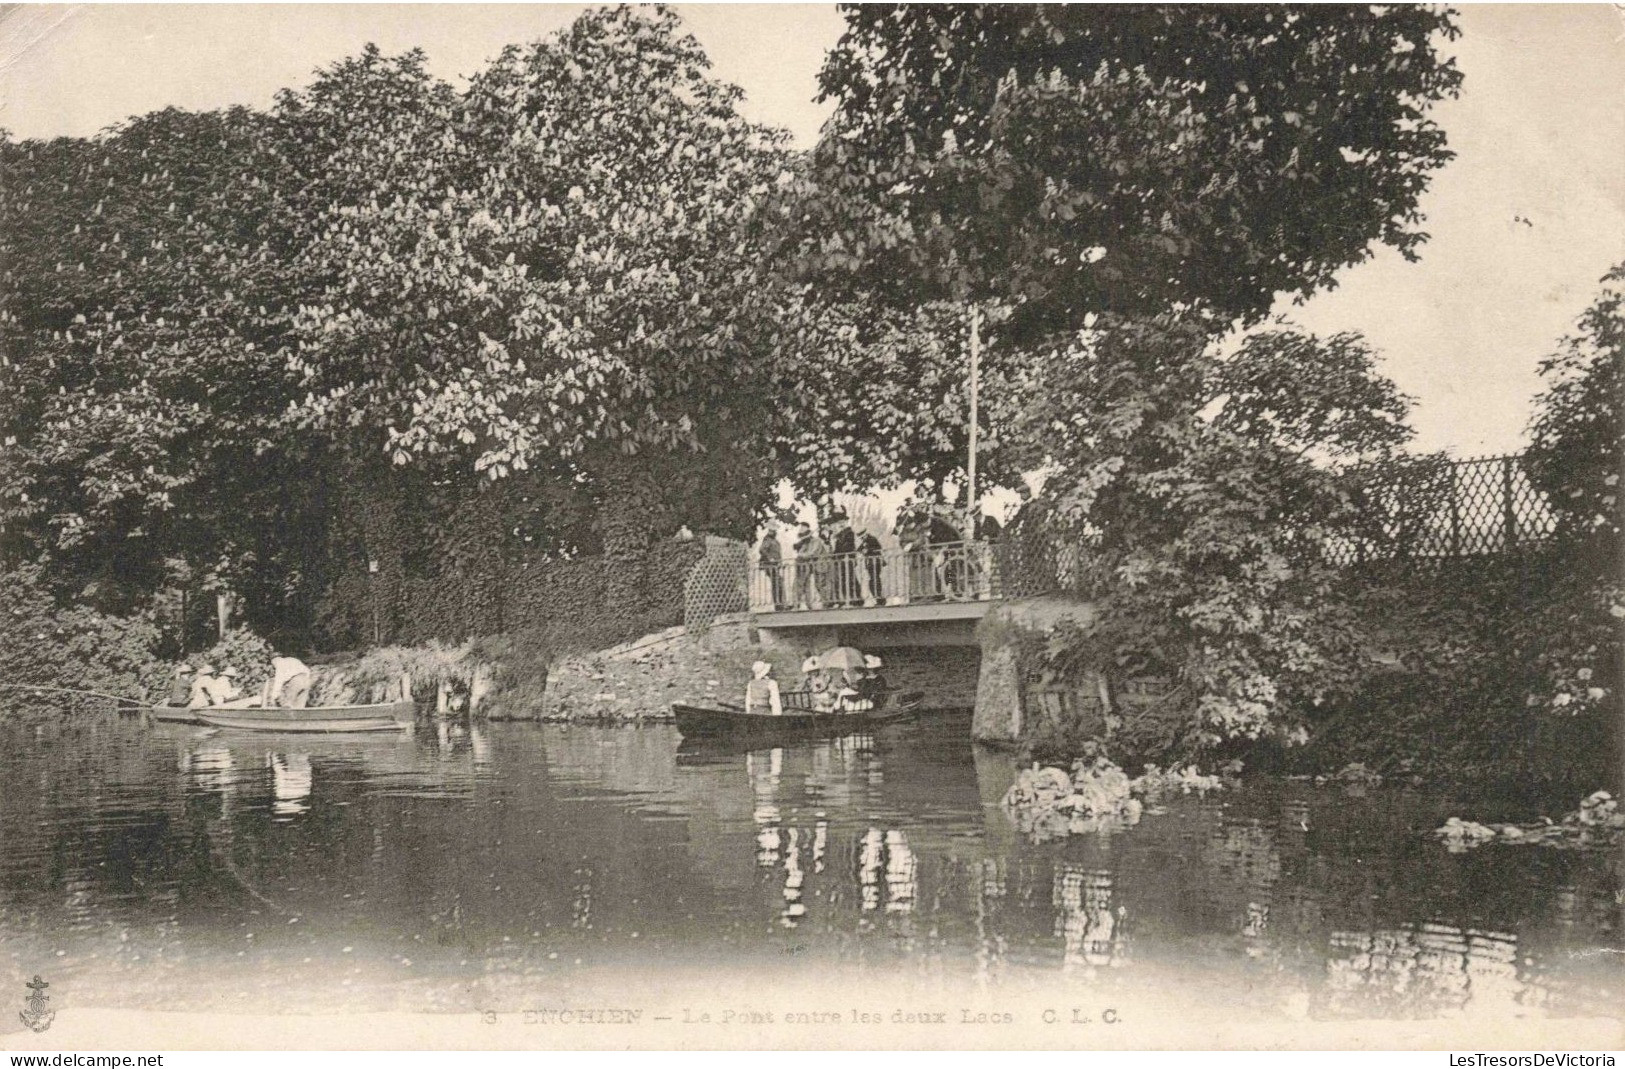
<point x="202" y="685"/>
<point x="872" y="687"/>
<point x="762" y="692"/>
<point x="227" y="694"/>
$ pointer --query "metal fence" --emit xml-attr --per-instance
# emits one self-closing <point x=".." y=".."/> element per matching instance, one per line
<point x="1445" y="509"/>
<point x="947" y="571"/>
<point x="951" y="571"/>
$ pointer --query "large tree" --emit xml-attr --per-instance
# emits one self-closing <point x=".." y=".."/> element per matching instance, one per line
<point x="549" y="270"/>
<point x="143" y="305"/>
<point x="1204" y="491"/>
<point x="1117" y="186"/>
<point x="1577" y="455"/>
<point x="1078" y="159"/>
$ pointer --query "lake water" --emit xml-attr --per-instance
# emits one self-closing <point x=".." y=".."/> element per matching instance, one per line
<point x="511" y="866"/>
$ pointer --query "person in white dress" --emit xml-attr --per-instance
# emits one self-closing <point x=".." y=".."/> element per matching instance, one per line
<point x="762" y="692"/>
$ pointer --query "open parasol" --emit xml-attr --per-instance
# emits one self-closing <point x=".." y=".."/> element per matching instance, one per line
<point x="845" y="657"/>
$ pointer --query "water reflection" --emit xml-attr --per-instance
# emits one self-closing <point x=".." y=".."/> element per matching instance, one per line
<point x="454" y="866"/>
<point x="290" y="783"/>
<point x="1089" y="924"/>
<point x="1430" y="970"/>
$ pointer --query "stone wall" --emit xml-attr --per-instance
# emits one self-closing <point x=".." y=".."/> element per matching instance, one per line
<point x="1019" y="703"/>
<point x="639" y="680"/>
<point x="1013" y="700"/>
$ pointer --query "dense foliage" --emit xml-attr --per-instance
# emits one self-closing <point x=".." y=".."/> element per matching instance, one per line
<point x="1076" y="159"/>
<point x="141" y="359"/>
<point x="541" y="268"/>
<point x="1578" y="455"/>
<point x="266" y="352"/>
<point x="881" y="397"/>
<point x="1204" y="491"/>
<point x="76" y="647"/>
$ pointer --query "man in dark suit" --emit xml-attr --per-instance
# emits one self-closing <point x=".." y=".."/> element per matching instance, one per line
<point x="770" y="558"/>
<point x="869" y="548"/>
<point x="845" y="545"/>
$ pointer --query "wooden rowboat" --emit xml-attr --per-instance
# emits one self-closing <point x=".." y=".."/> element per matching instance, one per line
<point x="385" y="716"/>
<point x="174" y="714"/>
<point x="724" y="720"/>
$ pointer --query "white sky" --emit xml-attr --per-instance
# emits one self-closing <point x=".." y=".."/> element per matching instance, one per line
<point x="1539" y="131"/>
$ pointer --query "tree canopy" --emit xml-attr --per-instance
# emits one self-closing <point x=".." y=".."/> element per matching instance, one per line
<point x="548" y="263"/>
<point x="1578" y="431"/>
<point x="1577" y="454"/>
<point x="215" y="322"/>
<point x="1077" y="159"/>
<point x="143" y="283"/>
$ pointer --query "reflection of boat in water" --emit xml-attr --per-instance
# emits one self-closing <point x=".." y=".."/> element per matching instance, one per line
<point x="386" y="716"/>
<point x="726" y="721"/>
<point x="291" y="781"/>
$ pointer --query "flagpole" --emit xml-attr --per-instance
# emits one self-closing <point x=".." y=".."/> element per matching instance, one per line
<point x="975" y="375"/>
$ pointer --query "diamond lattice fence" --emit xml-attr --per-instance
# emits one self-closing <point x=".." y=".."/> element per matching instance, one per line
<point x="1440" y="509"/>
<point x="717" y="585"/>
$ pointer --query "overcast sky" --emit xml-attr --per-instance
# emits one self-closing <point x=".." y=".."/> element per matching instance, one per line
<point x="1524" y="221"/>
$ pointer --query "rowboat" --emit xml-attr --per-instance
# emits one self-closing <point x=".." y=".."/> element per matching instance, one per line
<point x="384" y="716"/>
<point x="173" y="714"/>
<point x="726" y="720"/>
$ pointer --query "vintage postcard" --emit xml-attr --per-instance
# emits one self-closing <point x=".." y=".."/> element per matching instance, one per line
<point x="780" y="526"/>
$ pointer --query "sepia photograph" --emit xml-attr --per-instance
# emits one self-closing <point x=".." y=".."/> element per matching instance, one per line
<point x="867" y="527"/>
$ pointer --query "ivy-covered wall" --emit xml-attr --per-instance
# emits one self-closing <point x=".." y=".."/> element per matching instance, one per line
<point x="568" y="601"/>
<point x="563" y="605"/>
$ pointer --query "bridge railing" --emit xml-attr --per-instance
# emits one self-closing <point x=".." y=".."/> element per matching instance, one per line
<point x="1432" y="510"/>
<point x="948" y="571"/>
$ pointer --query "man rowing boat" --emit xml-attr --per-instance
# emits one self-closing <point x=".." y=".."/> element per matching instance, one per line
<point x="289" y="686"/>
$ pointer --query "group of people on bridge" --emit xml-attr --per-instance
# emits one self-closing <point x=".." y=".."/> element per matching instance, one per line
<point x="837" y="565"/>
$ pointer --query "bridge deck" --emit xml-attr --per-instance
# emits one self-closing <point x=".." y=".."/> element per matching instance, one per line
<point x="913" y="612"/>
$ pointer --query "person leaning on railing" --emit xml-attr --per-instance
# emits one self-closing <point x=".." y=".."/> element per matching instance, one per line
<point x="869" y="575"/>
<point x="812" y="568"/>
<point x="947" y="556"/>
<point x="845" y="544"/>
<point x="770" y="558"/>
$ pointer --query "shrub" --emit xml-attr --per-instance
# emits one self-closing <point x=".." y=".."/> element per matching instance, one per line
<point x="74" y="646"/>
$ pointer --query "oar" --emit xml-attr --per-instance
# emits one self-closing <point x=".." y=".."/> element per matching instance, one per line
<point x="72" y="690"/>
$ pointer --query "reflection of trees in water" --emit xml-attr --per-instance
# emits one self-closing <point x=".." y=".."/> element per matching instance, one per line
<point x="1243" y="857"/>
<point x="1429" y="970"/>
<point x="869" y="848"/>
<point x="1089" y="927"/>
